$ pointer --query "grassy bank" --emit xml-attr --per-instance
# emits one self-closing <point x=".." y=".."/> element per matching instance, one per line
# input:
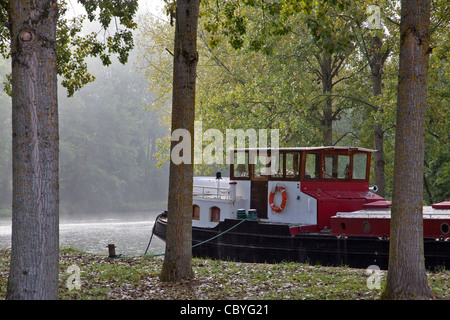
<point x="136" y="278"/>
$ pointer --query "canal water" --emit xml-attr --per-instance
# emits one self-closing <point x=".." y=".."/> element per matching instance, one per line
<point x="130" y="235"/>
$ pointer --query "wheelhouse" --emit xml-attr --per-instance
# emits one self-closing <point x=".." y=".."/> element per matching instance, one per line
<point x="301" y="164"/>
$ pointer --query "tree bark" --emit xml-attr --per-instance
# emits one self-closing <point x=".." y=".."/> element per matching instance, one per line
<point x="406" y="273"/>
<point x="35" y="222"/>
<point x="376" y="63"/>
<point x="378" y="138"/>
<point x="178" y="255"/>
<point x="327" y="89"/>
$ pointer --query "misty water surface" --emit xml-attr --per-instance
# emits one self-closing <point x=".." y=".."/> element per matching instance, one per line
<point x="130" y="236"/>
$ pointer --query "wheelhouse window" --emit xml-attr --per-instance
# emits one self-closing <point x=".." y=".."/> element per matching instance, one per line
<point x="215" y="214"/>
<point x="241" y="168"/>
<point x="312" y="165"/>
<point x="301" y="164"/>
<point x="278" y="165"/>
<point x="260" y="168"/>
<point x="292" y="165"/>
<point x="336" y="166"/>
<point x="195" y="212"/>
<point x="359" y="166"/>
<point x="259" y="165"/>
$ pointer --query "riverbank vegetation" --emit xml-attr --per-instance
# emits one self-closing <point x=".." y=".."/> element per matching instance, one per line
<point x="137" y="278"/>
<point x="262" y="68"/>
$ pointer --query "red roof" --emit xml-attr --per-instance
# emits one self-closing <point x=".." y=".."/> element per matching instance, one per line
<point x="377" y="204"/>
<point x="441" y="205"/>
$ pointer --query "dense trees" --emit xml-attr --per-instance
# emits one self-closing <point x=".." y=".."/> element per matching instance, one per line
<point x="258" y="69"/>
<point x="235" y="21"/>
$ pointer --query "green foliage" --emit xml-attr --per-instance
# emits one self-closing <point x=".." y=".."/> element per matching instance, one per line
<point x="258" y="69"/>
<point x="124" y="10"/>
<point x="155" y="40"/>
<point x="114" y="17"/>
<point x="437" y="175"/>
<point x="437" y="151"/>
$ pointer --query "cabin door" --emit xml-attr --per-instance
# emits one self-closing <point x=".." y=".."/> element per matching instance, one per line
<point x="259" y="182"/>
<point x="259" y="198"/>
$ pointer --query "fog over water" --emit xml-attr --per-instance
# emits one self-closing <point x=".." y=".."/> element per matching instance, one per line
<point x="130" y="235"/>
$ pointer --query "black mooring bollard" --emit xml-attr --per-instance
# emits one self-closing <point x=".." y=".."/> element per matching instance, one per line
<point x="112" y="250"/>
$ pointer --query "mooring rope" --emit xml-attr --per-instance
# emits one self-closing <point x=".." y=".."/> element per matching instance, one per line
<point x="196" y="245"/>
<point x="153" y="230"/>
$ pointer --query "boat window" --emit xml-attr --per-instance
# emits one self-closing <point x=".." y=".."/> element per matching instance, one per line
<point x="359" y="166"/>
<point x="336" y="166"/>
<point x="215" y="214"/>
<point x="279" y="172"/>
<point x="312" y="165"/>
<point x="292" y="164"/>
<point x="195" y="212"/>
<point x="261" y="169"/>
<point x="241" y="167"/>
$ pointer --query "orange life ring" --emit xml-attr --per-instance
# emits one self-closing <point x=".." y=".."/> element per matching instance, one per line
<point x="283" y="201"/>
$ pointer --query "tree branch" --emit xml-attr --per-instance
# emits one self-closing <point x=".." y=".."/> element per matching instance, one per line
<point x="345" y="134"/>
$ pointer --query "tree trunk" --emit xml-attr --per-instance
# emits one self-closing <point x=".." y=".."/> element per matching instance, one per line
<point x="406" y="274"/>
<point x="376" y="64"/>
<point x="178" y="256"/>
<point x="35" y="222"/>
<point x="378" y="138"/>
<point x="327" y="88"/>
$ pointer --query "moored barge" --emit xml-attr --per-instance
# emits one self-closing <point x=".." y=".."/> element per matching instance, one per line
<point x="309" y="205"/>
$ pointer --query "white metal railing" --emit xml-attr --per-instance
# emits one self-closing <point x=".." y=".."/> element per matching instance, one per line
<point x="211" y="192"/>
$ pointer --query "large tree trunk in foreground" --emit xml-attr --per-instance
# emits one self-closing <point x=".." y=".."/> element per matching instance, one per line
<point x="35" y="221"/>
<point x="178" y="256"/>
<point x="406" y="274"/>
